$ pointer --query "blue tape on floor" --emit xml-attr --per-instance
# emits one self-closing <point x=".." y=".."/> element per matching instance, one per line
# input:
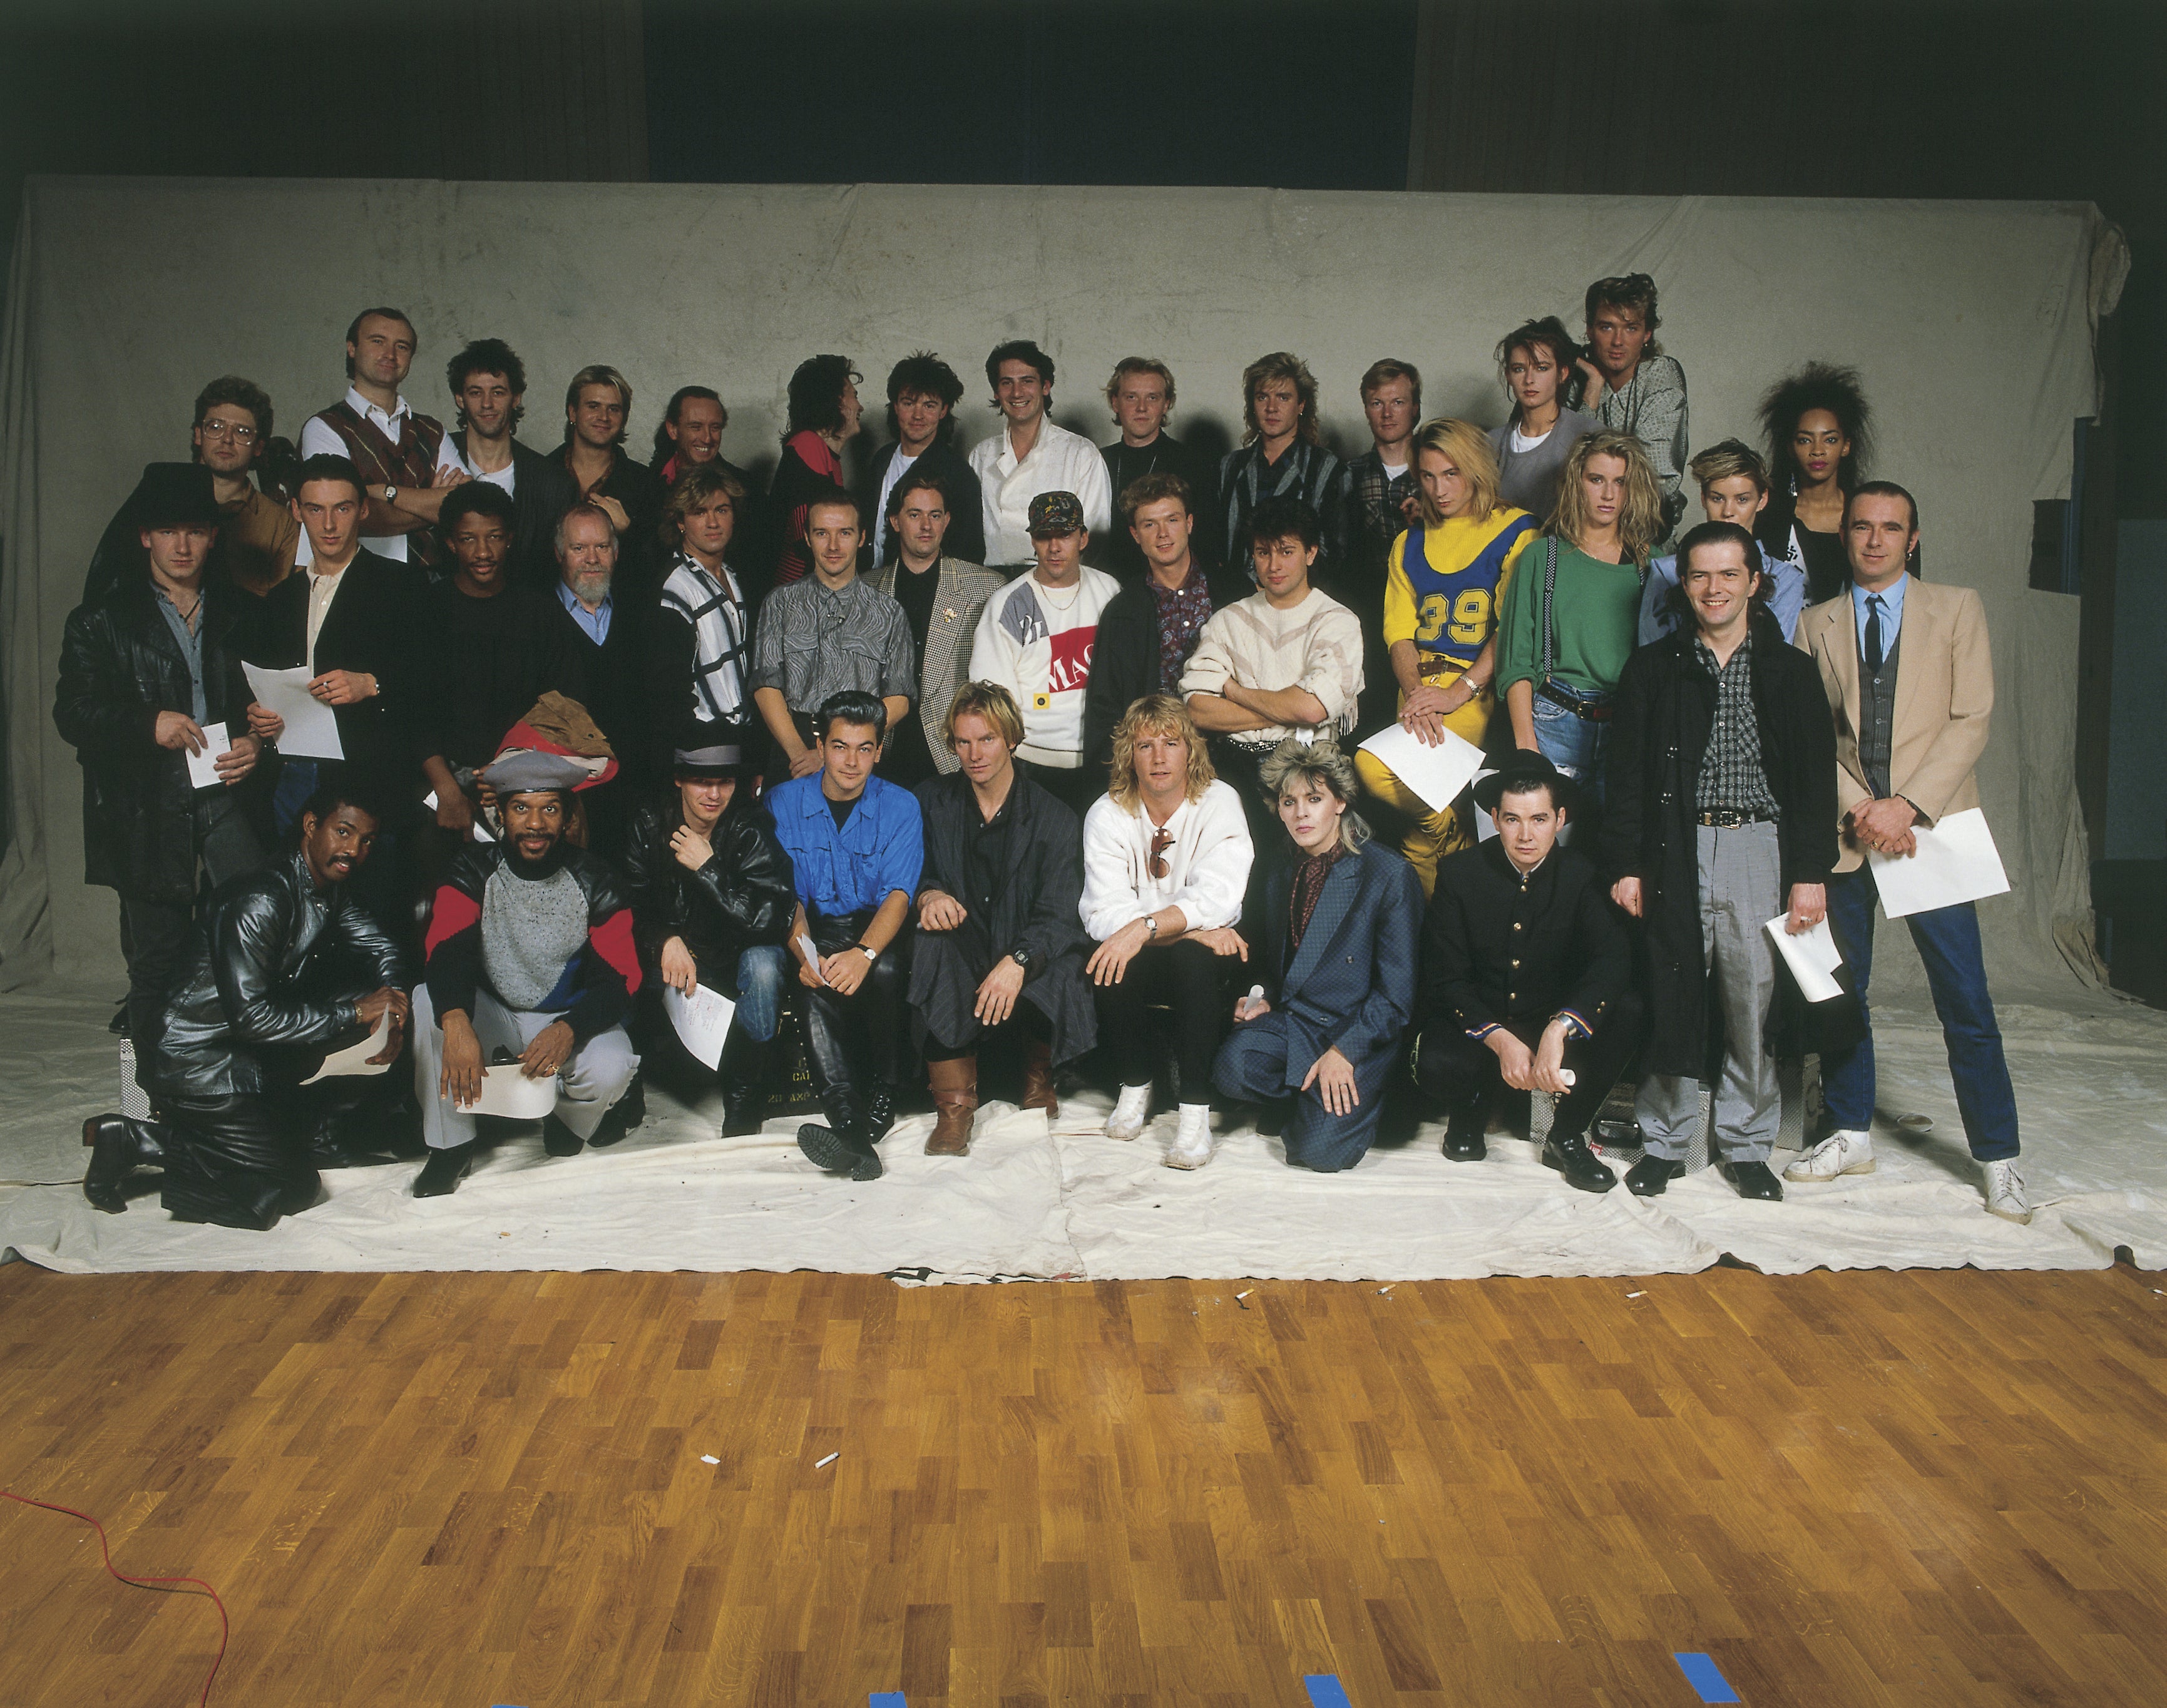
<point x="1326" y="1691"/>
<point x="1701" y="1673"/>
<point x="885" y="1699"/>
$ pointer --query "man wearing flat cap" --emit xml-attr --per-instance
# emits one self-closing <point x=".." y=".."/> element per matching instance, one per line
<point x="1527" y="976"/>
<point x="529" y="958"/>
<point x="712" y="900"/>
<point x="1036" y="639"/>
<point x="147" y="665"/>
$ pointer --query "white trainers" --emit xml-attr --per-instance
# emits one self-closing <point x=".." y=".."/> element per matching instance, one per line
<point x="1192" y="1142"/>
<point x="2004" y="1193"/>
<point x="1132" y="1110"/>
<point x="1847" y="1152"/>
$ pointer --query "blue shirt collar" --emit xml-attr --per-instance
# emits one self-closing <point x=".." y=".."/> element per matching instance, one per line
<point x="1892" y="602"/>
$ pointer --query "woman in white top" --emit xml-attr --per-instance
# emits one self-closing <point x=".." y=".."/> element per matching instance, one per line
<point x="1535" y="361"/>
<point x="1166" y="859"/>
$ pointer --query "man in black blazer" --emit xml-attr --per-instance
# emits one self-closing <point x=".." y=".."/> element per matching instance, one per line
<point x="488" y="382"/>
<point x="923" y="391"/>
<point x="1527" y="976"/>
<point x="610" y="639"/>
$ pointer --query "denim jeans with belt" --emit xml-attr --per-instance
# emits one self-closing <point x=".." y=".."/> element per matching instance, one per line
<point x="1574" y="744"/>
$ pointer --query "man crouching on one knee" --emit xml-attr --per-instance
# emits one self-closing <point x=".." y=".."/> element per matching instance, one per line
<point x="1337" y="967"/>
<point x="530" y="953"/>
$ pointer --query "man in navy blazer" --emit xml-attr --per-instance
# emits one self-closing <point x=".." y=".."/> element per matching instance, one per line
<point x="1340" y="922"/>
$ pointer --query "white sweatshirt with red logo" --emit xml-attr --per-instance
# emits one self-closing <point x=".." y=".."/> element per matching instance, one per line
<point x="1037" y="642"/>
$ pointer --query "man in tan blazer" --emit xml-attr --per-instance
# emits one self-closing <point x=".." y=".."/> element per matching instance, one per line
<point x="1910" y="678"/>
<point x="943" y="597"/>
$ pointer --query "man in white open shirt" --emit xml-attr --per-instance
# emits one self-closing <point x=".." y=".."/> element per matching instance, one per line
<point x="1166" y="859"/>
<point x="1030" y="455"/>
<point x="1035" y="639"/>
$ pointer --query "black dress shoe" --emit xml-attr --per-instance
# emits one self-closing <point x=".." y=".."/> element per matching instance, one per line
<point x="1754" y="1180"/>
<point x="832" y="1153"/>
<point x="1571" y="1158"/>
<point x="559" y="1139"/>
<point x="441" y="1175"/>
<point x="1465" y="1144"/>
<point x="118" y="1146"/>
<point x="1647" y="1177"/>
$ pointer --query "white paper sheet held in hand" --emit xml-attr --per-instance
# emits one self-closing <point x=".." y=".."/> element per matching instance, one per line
<point x="506" y="1090"/>
<point x="1956" y="861"/>
<point x="203" y="767"/>
<point x="702" y="1020"/>
<point x="354" y="1058"/>
<point x="311" y="730"/>
<point x="1437" y="774"/>
<point x="1811" y="956"/>
<point x="811" y="956"/>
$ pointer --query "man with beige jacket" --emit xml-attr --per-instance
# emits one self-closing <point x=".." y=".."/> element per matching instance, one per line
<point x="1910" y="678"/>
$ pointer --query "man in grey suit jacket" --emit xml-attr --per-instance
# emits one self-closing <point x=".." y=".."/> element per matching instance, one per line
<point x="1341" y="923"/>
<point x="943" y="597"/>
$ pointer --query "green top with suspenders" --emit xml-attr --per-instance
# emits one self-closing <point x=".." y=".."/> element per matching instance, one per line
<point x="1569" y="620"/>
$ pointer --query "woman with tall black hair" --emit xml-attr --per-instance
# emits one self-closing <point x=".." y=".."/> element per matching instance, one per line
<point x="1820" y="438"/>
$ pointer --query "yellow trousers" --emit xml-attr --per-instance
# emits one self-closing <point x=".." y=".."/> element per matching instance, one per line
<point x="1432" y="834"/>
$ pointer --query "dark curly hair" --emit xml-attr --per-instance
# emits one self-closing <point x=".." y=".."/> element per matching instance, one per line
<point x="487" y="356"/>
<point x="816" y="393"/>
<point x="1819" y="385"/>
<point x="926" y="375"/>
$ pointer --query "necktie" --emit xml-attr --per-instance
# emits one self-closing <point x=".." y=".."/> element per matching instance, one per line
<point x="1873" y="654"/>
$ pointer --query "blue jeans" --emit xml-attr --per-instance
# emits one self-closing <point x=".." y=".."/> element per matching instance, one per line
<point x="1948" y="938"/>
<point x="761" y="971"/>
<point x="1574" y="745"/>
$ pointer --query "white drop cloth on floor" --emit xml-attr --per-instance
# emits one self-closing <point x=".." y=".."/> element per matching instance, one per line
<point x="2091" y="1085"/>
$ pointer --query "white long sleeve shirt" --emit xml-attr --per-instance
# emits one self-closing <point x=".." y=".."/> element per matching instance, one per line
<point x="1316" y="645"/>
<point x="1060" y="460"/>
<point x="1207" y="869"/>
<point x="319" y="438"/>
<point x="1037" y="644"/>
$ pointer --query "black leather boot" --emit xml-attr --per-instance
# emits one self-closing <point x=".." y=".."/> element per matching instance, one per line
<point x="441" y="1175"/>
<point x="744" y="1084"/>
<point x="1568" y="1154"/>
<point x="559" y="1139"/>
<point x="880" y="1112"/>
<point x="1463" y="1130"/>
<point x="840" y="1147"/>
<point x="1754" y="1180"/>
<point x="118" y="1146"/>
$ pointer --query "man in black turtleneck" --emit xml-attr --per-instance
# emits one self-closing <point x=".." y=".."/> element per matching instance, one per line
<point x="1141" y="394"/>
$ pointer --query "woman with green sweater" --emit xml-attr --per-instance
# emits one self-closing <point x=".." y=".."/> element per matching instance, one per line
<point x="1571" y="615"/>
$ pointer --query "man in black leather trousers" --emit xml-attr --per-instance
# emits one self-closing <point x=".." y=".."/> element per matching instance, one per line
<point x="284" y="968"/>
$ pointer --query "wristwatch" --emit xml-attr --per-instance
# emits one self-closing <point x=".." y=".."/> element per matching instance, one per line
<point x="1021" y="957"/>
<point x="868" y="951"/>
<point x="1151" y="925"/>
<point x="390" y="493"/>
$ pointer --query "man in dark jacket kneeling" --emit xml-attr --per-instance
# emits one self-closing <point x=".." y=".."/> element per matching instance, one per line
<point x="1722" y="816"/>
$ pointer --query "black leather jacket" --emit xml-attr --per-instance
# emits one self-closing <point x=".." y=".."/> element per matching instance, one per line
<point x="743" y="896"/>
<point x="270" y="983"/>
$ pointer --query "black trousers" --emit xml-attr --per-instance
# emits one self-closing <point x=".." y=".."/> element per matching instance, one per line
<point x="1187" y="978"/>
<point x="1075" y="787"/>
<point x="854" y="1043"/>
<point x="154" y="935"/>
<point x="1462" y="1072"/>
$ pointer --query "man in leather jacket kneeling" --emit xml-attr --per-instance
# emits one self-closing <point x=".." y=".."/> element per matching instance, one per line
<point x="711" y="902"/>
<point x="285" y="967"/>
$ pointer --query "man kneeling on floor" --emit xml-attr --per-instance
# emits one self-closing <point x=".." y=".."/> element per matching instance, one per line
<point x="1000" y="947"/>
<point x="284" y="966"/>
<point x="1527" y="976"/>
<point x="530" y="958"/>
<point x="856" y="849"/>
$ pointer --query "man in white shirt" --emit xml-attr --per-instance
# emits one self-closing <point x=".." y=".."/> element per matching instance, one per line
<point x="1030" y="456"/>
<point x="392" y="448"/>
<point x="488" y="382"/>
<point x="1036" y="639"/>
<point x="1286" y="661"/>
<point x="1167" y="856"/>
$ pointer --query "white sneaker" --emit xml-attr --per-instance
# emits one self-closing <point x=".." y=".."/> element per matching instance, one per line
<point x="1847" y="1152"/>
<point x="2004" y="1193"/>
<point x="1132" y="1110"/>
<point x="1192" y="1142"/>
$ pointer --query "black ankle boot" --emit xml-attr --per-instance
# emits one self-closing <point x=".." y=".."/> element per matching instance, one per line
<point x="880" y="1113"/>
<point x="842" y="1146"/>
<point x="1568" y="1154"/>
<point x="559" y="1139"/>
<point x="744" y="1085"/>
<point x="441" y="1175"/>
<point x="118" y="1146"/>
<point x="1648" y="1177"/>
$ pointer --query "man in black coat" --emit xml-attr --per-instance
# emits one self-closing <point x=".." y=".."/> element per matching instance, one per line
<point x="1527" y="976"/>
<point x="144" y="667"/>
<point x="712" y="900"/>
<point x="1150" y="627"/>
<point x="1722" y="815"/>
<point x="608" y="630"/>
<point x="488" y="382"/>
<point x="1141" y="395"/>
<point x="286" y="967"/>
<point x="923" y="391"/>
<point x="999" y="950"/>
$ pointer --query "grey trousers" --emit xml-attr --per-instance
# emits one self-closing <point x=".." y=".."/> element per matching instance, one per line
<point x="593" y="1077"/>
<point x="1741" y="889"/>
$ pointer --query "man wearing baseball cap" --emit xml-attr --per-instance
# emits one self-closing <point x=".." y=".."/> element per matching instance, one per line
<point x="1036" y="640"/>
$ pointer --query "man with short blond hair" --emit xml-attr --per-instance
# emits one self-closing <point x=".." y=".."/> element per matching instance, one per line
<point x="1141" y="395"/>
<point x="598" y="409"/>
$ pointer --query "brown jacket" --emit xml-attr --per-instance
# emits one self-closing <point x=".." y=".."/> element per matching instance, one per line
<point x="1944" y="696"/>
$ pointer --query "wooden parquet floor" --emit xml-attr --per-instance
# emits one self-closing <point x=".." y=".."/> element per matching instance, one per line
<point x="1857" y="1489"/>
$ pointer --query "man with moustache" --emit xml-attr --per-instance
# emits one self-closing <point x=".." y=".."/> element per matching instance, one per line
<point x="1141" y="395"/>
<point x="285" y="968"/>
<point x="923" y="391"/>
<point x="530" y="953"/>
<point x="1030" y="456"/>
<point x="488" y="384"/>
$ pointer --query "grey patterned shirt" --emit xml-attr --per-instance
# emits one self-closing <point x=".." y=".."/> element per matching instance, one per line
<point x="1731" y="777"/>
<point x="812" y="640"/>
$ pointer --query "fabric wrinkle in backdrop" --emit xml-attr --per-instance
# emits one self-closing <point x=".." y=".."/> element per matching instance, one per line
<point x="1972" y="323"/>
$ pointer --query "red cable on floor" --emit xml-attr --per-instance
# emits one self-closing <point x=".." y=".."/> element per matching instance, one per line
<point x="223" y="1628"/>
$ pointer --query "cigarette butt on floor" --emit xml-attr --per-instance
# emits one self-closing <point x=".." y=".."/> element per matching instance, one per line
<point x="709" y="1459"/>
<point x="1643" y="1294"/>
<point x="829" y="1459"/>
<point x="1382" y="1291"/>
<point x="1239" y="1296"/>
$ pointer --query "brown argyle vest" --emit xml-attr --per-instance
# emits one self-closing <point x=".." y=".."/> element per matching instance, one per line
<point x="412" y="462"/>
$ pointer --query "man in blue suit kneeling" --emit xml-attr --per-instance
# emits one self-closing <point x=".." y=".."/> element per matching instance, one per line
<point x="1340" y="927"/>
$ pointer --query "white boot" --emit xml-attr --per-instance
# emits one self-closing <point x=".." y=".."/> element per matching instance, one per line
<point x="1848" y="1151"/>
<point x="1192" y="1141"/>
<point x="1132" y="1110"/>
<point x="2005" y="1192"/>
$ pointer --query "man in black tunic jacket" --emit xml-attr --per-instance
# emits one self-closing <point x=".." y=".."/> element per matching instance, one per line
<point x="1000" y="942"/>
<point x="285" y="967"/>
<point x="1527" y="976"/>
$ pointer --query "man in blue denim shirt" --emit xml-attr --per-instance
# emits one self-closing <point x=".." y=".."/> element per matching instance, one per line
<point x="856" y="845"/>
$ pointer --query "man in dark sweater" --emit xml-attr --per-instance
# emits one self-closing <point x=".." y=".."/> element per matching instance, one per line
<point x="488" y="382"/>
<point x="1141" y="394"/>
<point x="609" y="637"/>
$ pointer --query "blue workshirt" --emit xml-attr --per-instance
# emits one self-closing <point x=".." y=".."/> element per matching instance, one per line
<point x="879" y="849"/>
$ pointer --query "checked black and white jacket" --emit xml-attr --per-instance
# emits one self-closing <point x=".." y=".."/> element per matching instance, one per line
<point x="722" y="634"/>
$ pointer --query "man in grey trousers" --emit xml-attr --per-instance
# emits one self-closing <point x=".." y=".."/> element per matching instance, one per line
<point x="1722" y="756"/>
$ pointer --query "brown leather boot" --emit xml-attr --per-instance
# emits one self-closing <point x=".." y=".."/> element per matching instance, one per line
<point x="955" y="1102"/>
<point x="1038" y="1080"/>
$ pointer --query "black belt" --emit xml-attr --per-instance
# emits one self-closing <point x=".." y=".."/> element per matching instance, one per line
<point x="1729" y="818"/>
<point x="1587" y="711"/>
